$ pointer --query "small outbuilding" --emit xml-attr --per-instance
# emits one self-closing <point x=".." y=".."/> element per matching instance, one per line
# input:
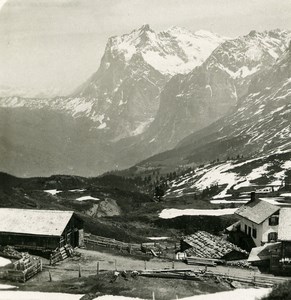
<point x="40" y="229"/>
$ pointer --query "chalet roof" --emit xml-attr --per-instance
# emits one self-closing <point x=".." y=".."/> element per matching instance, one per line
<point x="207" y="245"/>
<point x="257" y="210"/>
<point x="284" y="229"/>
<point x="35" y="222"/>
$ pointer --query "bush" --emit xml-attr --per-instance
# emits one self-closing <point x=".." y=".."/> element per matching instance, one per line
<point x="280" y="292"/>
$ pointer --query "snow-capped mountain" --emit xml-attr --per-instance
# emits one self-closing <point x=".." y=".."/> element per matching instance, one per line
<point x="192" y="101"/>
<point x="122" y="97"/>
<point x="259" y="126"/>
<point x="251" y="147"/>
<point x="120" y="100"/>
<point x="131" y="108"/>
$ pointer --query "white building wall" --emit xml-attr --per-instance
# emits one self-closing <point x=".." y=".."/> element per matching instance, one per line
<point x="258" y="227"/>
<point x="263" y="230"/>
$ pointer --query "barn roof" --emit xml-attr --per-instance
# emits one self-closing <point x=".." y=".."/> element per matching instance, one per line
<point x="284" y="229"/>
<point x="35" y="222"/>
<point x="257" y="210"/>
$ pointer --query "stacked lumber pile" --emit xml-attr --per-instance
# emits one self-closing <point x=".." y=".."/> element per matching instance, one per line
<point x="61" y="254"/>
<point x="205" y="245"/>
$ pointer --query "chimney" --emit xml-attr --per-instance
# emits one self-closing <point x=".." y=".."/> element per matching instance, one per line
<point x="253" y="196"/>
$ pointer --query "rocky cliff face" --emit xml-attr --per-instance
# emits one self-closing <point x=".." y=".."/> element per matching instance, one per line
<point x="134" y="70"/>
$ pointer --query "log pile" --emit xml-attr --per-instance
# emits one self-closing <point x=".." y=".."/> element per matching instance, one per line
<point x="10" y="252"/>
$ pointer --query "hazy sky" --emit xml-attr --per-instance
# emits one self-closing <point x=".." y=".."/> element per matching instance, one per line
<point x="59" y="43"/>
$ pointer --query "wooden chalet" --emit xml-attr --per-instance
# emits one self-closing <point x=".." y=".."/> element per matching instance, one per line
<point x="40" y="229"/>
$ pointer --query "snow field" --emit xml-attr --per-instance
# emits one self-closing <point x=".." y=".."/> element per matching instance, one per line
<point x="170" y="213"/>
<point x="83" y="198"/>
<point x="4" y="261"/>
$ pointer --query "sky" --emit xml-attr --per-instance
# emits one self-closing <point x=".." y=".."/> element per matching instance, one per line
<point x="58" y="44"/>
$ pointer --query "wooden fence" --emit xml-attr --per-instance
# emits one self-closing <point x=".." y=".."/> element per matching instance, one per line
<point x="146" y="249"/>
<point x="193" y="260"/>
<point x="111" y="243"/>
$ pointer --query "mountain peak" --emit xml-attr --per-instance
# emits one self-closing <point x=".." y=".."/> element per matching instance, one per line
<point x="145" y="27"/>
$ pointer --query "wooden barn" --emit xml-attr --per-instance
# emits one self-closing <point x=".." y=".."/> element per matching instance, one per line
<point x="40" y="229"/>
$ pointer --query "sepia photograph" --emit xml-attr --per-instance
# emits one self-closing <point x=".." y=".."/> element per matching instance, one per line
<point x="145" y="149"/>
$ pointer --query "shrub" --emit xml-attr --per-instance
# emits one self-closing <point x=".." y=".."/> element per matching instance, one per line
<point x="280" y="292"/>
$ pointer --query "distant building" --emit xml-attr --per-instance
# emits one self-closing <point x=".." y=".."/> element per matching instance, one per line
<point x="40" y="229"/>
<point x="259" y="220"/>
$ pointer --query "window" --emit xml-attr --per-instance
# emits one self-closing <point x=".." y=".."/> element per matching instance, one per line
<point x="250" y="231"/>
<point x="272" y="237"/>
<point x="254" y="233"/>
<point x="273" y="221"/>
<point x="246" y="229"/>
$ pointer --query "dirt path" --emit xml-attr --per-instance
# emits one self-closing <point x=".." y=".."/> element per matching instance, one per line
<point x="86" y="264"/>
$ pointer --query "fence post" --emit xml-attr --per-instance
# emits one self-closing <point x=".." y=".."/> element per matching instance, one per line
<point x="50" y="276"/>
<point x="41" y="265"/>
<point x="80" y="275"/>
<point x="115" y="265"/>
<point x="145" y="264"/>
<point x="97" y="267"/>
<point x="153" y="295"/>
